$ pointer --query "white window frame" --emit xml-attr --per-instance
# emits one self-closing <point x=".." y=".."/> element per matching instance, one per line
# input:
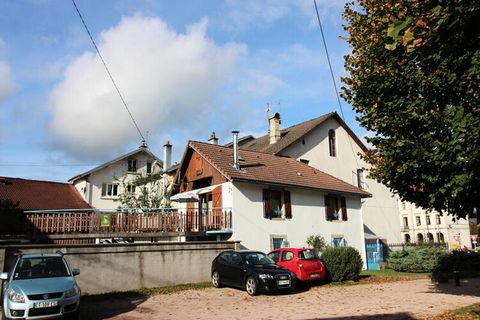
<point x="110" y="190"/>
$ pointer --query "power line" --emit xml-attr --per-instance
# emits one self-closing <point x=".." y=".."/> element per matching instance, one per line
<point x="108" y="71"/>
<point x="328" y="59"/>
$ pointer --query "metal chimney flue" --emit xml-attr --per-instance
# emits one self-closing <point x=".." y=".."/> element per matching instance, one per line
<point x="236" y="163"/>
<point x="167" y="156"/>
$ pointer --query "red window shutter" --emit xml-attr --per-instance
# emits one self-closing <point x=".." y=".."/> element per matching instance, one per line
<point x="328" y="209"/>
<point x="267" y="210"/>
<point x="344" y="208"/>
<point x="288" y="205"/>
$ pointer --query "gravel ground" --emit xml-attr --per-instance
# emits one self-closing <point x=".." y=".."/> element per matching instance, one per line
<point x="412" y="299"/>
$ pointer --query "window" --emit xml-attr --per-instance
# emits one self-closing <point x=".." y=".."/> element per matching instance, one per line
<point x="276" y="204"/>
<point x="428" y="220"/>
<point x="109" y="190"/>
<point x="405" y="222"/>
<point x="437" y="217"/>
<point x="277" y="243"/>
<point x="274" y="255"/>
<point x="403" y="206"/>
<point x="131" y="188"/>
<point x="287" y="255"/>
<point x="360" y="179"/>
<point x="149" y="167"/>
<point x="335" y="208"/>
<point x="430" y="237"/>
<point x="132" y="165"/>
<point x="331" y="143"/>
<point x="407" y="238"/>
<point x="419" y="238"/>
<point x="419" y="222"/>
<point x="338" y="242"/>
<point x="305" y="161"/>
<point x="440" y="237"/>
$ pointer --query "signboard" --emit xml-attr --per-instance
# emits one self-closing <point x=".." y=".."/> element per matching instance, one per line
<point x="474" y="238"/>
<point x="105" y="219"/>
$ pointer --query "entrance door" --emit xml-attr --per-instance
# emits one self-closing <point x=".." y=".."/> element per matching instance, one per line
<point x="374" y="255"/>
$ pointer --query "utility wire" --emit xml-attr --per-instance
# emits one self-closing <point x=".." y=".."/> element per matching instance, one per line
<point x="333" y="76"/>
<point x="44" y="165"/>
<point x="328" y="59"/>
<point x="108" y="71"/>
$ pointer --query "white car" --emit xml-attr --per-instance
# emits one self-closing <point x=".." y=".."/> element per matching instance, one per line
<point x="41" y="286"/>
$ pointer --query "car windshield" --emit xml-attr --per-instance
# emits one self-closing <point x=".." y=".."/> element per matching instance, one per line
<point x="307" y="255"/>
<point x="40" y="267"/>
<point x="256" y="258"/>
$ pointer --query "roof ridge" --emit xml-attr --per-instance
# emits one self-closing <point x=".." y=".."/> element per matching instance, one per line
<point x="36" y="180"/>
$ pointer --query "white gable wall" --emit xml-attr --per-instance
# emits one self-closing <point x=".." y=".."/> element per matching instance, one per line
<point x="91" y="187"/>
<point x="380" y="213"/>
<point x="308" y="218"/>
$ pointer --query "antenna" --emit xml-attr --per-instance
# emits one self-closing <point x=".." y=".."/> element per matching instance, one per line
<point x="267" y="109"/>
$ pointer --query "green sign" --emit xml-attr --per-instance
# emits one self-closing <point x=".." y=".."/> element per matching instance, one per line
<point x="105" y="219"/>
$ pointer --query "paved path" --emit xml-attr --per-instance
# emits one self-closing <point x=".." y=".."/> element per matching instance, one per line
<point x="414" y="299"/>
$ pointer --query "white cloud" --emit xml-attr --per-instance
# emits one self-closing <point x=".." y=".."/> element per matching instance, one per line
<point x="6" y="78"/>
<point x="257" y="84"/>
<point x="168" y="80"/>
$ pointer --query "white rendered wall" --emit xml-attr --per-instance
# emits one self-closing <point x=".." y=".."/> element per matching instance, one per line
<point x="380" y="212"/>
<point x="308" y="218"/>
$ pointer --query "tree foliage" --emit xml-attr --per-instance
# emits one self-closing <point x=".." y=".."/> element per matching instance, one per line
<point x="151" y="191"/>
<point x="414" y="80"/>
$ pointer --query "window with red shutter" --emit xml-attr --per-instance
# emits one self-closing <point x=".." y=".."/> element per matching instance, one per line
<point x="288" y="205"/>
<point x="267" y="208"/>
<point x="344" y="208"/>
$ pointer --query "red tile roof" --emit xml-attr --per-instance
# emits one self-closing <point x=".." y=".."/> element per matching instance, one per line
<point x="294" y="133"/>
<point x="41" y="195"/>
<point x="266" y="168"/>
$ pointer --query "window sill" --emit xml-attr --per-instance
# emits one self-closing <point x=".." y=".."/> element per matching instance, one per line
<point x="109" y="197"/>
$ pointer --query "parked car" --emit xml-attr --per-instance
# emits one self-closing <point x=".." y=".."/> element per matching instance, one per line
<point x="40" y="286"/>
<point x="252" y="270"/>
<point x="303" y="262"/>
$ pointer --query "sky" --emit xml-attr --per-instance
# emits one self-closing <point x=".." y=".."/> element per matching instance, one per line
<point x="184" y="69"/>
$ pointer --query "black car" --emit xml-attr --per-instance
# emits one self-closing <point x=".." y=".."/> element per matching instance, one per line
<point x="252" y="270"/>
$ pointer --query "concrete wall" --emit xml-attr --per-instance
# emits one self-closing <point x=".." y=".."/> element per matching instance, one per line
<point x="380" y="212"/>
<point x="107" y="268"/>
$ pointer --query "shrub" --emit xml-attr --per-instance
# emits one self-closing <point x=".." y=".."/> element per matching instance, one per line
<point x="460" y="261"/>
<point x="416" y="259"/>
<point x="343" y="263"/>
<point x="317" y="242"/>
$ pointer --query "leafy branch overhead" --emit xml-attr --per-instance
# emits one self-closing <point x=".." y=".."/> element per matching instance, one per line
<point x="414" y="81"/>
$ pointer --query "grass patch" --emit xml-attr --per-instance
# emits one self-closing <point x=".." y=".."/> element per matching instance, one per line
<point x="471" y="312"/>
<point x="146" y="292"/>
<point x="392" y="273"/>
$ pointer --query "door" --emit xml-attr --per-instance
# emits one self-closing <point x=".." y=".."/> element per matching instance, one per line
<point x="374" y="255"/>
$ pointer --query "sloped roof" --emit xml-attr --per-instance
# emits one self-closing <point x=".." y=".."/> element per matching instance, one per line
<point x="294" y="133"/>
<point x="258" y="167"/>
<point x="41" y="195"/>
<point x="106" y="164"/>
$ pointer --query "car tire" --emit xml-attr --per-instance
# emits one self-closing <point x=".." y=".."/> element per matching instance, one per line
<point x="251" y="286"/>
<point x="216" y="279"/>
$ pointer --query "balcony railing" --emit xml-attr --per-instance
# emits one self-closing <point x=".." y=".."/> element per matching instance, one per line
<point x="129" y="221"/>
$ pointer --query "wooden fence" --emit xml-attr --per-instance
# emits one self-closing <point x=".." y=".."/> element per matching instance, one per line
<point x="166" y="220"/>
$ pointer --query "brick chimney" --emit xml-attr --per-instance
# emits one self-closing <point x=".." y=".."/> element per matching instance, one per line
<point x="274" y="128"/>
<point x="213" y="139"/>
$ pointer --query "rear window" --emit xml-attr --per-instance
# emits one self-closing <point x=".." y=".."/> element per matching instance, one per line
<point x="307" y="255"/>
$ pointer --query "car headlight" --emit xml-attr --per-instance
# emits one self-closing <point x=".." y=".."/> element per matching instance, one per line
<point x="14" y="296"/>
<point x="264" y="276"/>
<point x="74" y="291"/>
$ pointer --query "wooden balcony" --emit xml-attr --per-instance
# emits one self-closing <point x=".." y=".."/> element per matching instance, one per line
<point x="98" y="222"/>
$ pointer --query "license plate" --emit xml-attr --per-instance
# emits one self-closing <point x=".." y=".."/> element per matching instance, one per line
<point x="314" y="275"/>
<point x="45" y="304"/>
<point x="283" y="282"/>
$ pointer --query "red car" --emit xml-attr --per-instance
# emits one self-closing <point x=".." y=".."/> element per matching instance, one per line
<point x="303" y="262"/>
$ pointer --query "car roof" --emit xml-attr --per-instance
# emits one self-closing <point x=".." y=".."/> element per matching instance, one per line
<point x="293" y="249"/>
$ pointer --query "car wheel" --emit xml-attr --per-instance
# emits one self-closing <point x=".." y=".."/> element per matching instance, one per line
<point x="251" y="286"/>
<point x="216" y="280"/>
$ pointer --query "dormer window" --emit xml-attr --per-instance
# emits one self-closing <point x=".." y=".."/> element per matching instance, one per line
<point x="331" y="143"/>
<point x="149" y="167"/>
<point x="132" y="165"/>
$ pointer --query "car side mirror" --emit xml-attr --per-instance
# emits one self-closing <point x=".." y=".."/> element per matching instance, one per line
<point x="75" y="271"/>
<point x="4" y="276"/>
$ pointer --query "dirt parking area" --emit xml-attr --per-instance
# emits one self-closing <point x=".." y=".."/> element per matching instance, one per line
<point x="413" y="299"/>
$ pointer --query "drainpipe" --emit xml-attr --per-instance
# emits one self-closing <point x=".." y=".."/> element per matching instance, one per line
<point x="236" y="164"/>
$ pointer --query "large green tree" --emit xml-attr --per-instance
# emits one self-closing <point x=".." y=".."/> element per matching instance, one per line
<point x="414" y="81"/>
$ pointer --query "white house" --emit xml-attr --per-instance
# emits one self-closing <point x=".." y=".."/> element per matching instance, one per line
<point x="272" y="199"/>
<point x="101" y="186"/>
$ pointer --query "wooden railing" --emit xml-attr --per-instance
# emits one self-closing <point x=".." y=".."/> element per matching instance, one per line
<point x="166" y="220"/>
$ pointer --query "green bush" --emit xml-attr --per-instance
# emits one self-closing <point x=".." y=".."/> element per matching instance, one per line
<point x="343" y="263"/>
<point x="317" y="242"/>
<point x="460" y="261"/>
<point x="416" y="259"/>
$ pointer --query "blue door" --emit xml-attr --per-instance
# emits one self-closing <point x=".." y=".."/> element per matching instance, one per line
<point x="374" y="255"/>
